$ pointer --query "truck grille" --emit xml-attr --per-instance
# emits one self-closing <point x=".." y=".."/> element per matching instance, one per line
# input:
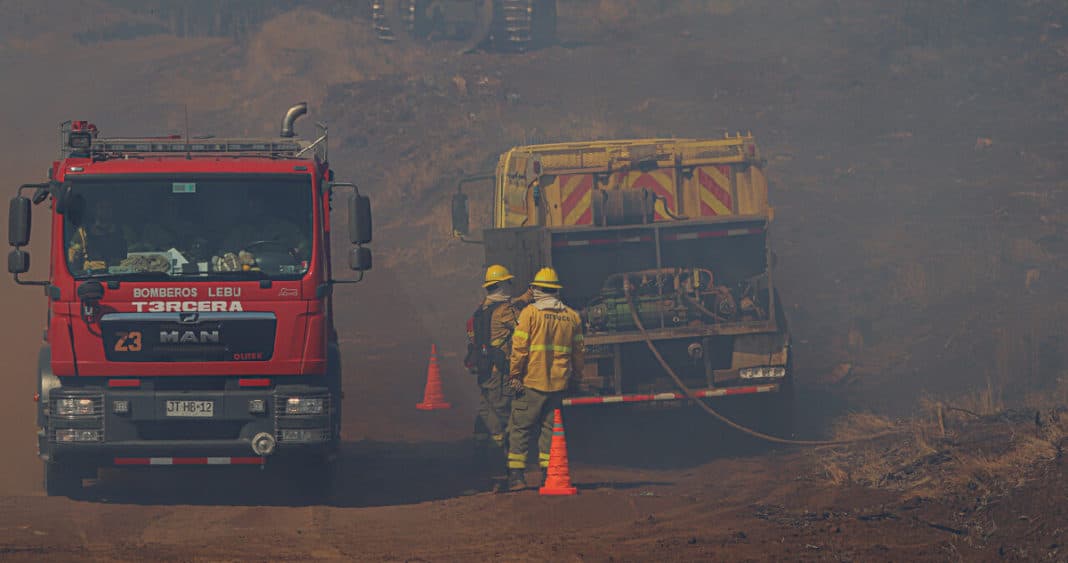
<point x="192" y="337"/>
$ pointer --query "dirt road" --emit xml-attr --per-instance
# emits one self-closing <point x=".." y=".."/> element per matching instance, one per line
<point x="412" y="502"/>
<point x="917" y="159"/>
<point x="410" y="494"/>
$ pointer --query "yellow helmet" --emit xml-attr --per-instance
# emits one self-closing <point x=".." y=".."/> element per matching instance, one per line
<point x="496" y="274"/>
<point x="546" y="277"/>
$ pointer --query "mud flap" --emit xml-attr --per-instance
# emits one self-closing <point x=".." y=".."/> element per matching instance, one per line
<point x="770" y="413"/>
<point x="751" y="350"/>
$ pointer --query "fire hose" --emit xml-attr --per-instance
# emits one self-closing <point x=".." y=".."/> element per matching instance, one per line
<point x="704" y="406"/>
<point x="697" y="305"/>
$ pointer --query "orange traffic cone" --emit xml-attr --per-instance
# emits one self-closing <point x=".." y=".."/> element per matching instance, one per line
<point x="558" y="480"/>
<point x="433" y="396"/>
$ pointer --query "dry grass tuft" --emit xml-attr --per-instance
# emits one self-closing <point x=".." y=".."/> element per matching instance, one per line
<point x="973" y="444"/>
<point x="859" y="425"/>
<point x="983" y="402"/>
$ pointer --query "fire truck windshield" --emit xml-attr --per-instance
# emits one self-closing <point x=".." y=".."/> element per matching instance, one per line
<point x="211" y="227"/>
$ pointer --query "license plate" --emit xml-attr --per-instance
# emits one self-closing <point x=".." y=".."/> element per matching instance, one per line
<point x="204" y="409"/>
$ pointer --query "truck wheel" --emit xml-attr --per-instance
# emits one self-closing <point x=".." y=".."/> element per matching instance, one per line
<point x="316" y="480"/>
<point x="62" y="480"/>
<point x="327" y="480"/>
<point x="313" y="479"/>
<point x="333" y="382"/>
<point x="780" y="409"/>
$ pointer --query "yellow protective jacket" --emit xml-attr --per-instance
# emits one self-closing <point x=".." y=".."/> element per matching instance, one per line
<point x="547" y="351"/>
<point x="505" y="319"/>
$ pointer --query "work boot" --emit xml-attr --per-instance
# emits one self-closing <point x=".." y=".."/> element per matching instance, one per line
<point x="517" y="480"/>
<point x="544" y="476"/>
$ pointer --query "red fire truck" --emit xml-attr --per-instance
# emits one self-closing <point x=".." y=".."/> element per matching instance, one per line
<point x="189" y="302"/>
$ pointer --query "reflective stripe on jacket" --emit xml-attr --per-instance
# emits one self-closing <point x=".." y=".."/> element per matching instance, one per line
<point x="547" y="348"/>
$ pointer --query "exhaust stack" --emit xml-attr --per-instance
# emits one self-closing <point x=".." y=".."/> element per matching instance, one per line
<point x="290" y="117"/>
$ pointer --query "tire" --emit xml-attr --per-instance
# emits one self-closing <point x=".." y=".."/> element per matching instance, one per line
<point x="327" y="482"/>
<point x="312" y="480"/>
<point x="781" y="404"/>
<point x="334" y="383"/>
<point x="784" y="423"/>
<point x="62" y="480"/>
<point x="318" y="481"/>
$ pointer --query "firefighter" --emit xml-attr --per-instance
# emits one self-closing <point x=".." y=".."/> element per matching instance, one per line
<point x="98" y="244"/>
<point x="489" y="334"/>
<point x="259" y="227"/>
<point x="547" y="360"/>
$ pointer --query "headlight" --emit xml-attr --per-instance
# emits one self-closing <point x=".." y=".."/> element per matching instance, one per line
<point x="763" y="372"/>
<point x="302" y="405"/>
<point x="77" y="435"/>
<point x="74" y="407"/>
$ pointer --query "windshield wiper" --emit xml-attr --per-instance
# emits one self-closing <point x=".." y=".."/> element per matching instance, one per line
<point x="164" y="276"/>
<point x="241" y="275"/>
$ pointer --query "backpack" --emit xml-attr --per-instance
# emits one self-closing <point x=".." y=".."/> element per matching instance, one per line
<point x="482" y="356"/>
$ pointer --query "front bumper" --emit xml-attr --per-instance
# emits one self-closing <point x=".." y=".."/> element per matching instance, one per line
<point x="102" y="433"/>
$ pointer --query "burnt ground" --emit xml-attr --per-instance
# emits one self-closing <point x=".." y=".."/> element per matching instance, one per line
<point x="916" y="156"/>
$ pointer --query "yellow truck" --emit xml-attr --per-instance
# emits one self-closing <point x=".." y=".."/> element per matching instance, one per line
<point x="660" y="244"/>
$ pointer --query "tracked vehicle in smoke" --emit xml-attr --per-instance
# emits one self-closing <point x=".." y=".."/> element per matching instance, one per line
<point x="661" y="244"/>
<point x="500" y="25"/>
<point x="189" y="288"/>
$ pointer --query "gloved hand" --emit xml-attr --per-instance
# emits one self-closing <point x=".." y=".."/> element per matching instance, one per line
<point x="516" y="385"/>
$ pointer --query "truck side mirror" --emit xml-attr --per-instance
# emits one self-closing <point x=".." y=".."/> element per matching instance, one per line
<point x="360" y="259"/>
<point x="360" y="220"/>
<point x="18" y="221"/>
<point x="18" y="261"/>
<point x="460" y="218"/>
